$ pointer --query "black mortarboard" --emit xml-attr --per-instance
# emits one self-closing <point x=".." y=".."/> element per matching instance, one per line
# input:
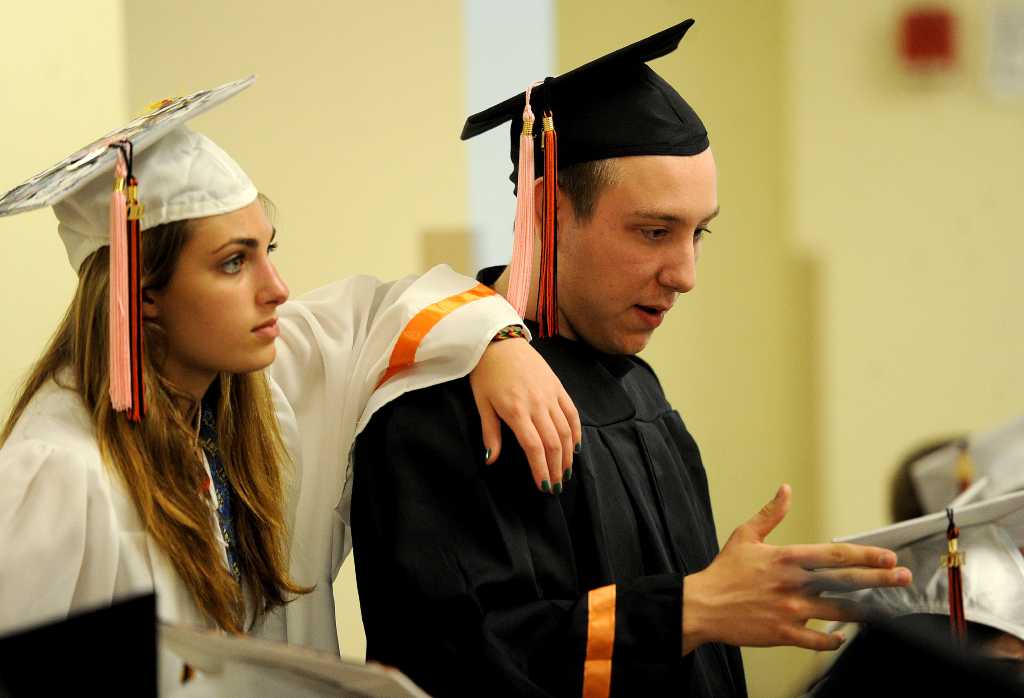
<point x="614" y="106"/>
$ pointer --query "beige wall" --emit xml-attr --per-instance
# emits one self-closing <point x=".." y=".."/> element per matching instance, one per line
<point x="907" y="189"/>
<point x="47" y="112"/>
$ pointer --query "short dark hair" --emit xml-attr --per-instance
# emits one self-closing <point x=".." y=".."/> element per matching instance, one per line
<point x="582" y="184"/>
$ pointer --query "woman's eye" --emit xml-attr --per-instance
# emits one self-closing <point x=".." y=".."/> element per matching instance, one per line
<point x="655" y="233"/>
<point x="233" y="265"/>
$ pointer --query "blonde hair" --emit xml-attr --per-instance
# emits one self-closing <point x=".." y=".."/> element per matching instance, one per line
<point x="159" y="460"/>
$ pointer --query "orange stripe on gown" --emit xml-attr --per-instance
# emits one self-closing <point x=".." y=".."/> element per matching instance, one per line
<point x="403" y="356"/>
<point x="597" y="669"/>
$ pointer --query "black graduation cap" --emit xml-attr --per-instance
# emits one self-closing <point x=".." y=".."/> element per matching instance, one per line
<point x="614" y="106"/>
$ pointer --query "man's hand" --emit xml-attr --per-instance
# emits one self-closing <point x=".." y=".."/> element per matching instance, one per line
<point x="514" y="383"/>
<point x="760" y="595"/>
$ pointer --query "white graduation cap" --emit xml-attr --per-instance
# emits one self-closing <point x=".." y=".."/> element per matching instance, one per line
<point x="152" y="171"/>
<point x="998" y="454"/>
<point x="992" y="569"/>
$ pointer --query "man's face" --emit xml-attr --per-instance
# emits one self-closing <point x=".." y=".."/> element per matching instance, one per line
<point x="620" y="271"/>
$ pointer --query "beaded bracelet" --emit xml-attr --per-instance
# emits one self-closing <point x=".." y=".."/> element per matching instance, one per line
<point x="511" y="332"/>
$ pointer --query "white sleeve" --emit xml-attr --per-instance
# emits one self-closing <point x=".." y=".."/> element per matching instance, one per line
<point x="58" y="535"/>
<point x="335" y="345"/>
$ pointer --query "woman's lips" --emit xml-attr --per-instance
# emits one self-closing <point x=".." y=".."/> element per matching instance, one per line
<point x="267" y="329"/>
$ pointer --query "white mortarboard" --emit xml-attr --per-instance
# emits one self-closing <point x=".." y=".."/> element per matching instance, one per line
<point x="996" y="455"/>
<point x="991" y="534"/>
<point x="181" y="175"/>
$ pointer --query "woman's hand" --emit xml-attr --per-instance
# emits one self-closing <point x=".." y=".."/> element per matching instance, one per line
<point x="512" y="382"/>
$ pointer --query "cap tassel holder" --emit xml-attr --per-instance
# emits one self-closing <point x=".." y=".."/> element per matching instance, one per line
<point x="964" y="466"/>
<point x="522" y="245"/>
<point x="120" y="338"/>
<point x="953" y="562"/>
<point x="126" y="391"/>
<point x="547" y="298"/>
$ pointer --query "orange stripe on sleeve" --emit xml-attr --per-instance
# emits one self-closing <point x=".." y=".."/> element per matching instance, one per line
<point x="597" y="669"/>
<point x="403" y="355"/>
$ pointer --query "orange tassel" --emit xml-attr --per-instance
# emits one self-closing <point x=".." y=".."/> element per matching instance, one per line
<point x="954" y="562"/>
<point x="547" y="297"/>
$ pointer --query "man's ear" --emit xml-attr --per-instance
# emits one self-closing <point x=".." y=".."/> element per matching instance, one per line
<point x="564" y="206"/>
<point x="150" y="306"/>
<point x="538" y="206"/>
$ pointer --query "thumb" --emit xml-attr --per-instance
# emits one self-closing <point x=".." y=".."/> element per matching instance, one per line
<point x="771" y="514"/>
<point x="490" y="427"/>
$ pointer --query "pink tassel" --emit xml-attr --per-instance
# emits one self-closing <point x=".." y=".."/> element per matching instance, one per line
<point x="522" y="245"/>
<point x="120" y="342"/>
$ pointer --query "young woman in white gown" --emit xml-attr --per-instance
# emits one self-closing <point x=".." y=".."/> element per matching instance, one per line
<point x="228" y="497"/>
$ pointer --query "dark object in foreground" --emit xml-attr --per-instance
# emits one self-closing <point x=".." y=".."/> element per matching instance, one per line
<point x="109" y="651"/>
<point x="915" y="658"/>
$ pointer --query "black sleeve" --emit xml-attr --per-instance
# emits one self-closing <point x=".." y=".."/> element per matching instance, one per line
<point x="452" y="590"/>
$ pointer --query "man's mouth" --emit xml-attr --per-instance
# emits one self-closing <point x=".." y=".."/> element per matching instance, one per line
<point x="652" y="315"/>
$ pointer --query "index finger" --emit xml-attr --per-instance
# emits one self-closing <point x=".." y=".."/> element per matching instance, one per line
<point x="820" y="555"/>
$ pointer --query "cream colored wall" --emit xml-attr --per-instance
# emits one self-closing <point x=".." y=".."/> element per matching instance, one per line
<point x="908" y="190"/>
<point x="734" y="354"/>
<point x="47" y="58"/>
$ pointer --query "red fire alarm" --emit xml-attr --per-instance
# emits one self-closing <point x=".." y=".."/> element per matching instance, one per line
<point x="928" y="37"/>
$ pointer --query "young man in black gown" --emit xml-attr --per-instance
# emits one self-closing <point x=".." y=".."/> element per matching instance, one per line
<point x="473" y="582"/>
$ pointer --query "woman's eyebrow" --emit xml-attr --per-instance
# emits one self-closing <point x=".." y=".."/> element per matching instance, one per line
<point x="248" y="242"/>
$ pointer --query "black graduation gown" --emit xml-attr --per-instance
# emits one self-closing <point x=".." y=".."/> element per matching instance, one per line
<point x="475" y="583"/>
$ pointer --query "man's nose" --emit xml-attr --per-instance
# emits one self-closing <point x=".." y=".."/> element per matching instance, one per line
<point x="680" y="269"/>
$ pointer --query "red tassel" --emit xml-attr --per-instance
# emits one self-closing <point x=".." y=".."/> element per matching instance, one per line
<point x="138" y="406"/>
<point x="547" y="297"/>
<point x="954" y="562"/>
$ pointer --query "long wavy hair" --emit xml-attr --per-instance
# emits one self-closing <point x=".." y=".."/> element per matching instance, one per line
<point x="159" y="460"/>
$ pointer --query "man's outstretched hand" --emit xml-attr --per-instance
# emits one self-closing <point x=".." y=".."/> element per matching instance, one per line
<point x="761" y="595"/>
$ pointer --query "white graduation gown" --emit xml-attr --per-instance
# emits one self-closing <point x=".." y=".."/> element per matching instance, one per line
<point x="70" y="537"/>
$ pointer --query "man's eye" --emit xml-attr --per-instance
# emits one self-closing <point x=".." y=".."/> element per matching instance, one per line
<point x="233" y="265"/>
<point x="655" y="233"/>
<point x="699" y="233"/>
<point x="272" y="247"/>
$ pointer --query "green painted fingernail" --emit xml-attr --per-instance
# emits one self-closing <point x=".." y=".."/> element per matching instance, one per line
<point x="558" y="488"/>
<point x="545" y="486"/>
<point x="487" y="454"/>
<point x="568" y="475"/>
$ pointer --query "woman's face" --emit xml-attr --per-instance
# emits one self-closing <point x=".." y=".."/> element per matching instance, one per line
<point x="219" y="308"/>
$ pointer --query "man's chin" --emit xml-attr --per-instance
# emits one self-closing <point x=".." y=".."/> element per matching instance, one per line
<point x="626" y="343"/>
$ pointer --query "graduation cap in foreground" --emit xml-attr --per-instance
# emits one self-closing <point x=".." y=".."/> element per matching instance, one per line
<point x="615" y="106"/>
<point x="161" y="172"/>
<point x="966" y="565"/>
<point x="981" y="466"/>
